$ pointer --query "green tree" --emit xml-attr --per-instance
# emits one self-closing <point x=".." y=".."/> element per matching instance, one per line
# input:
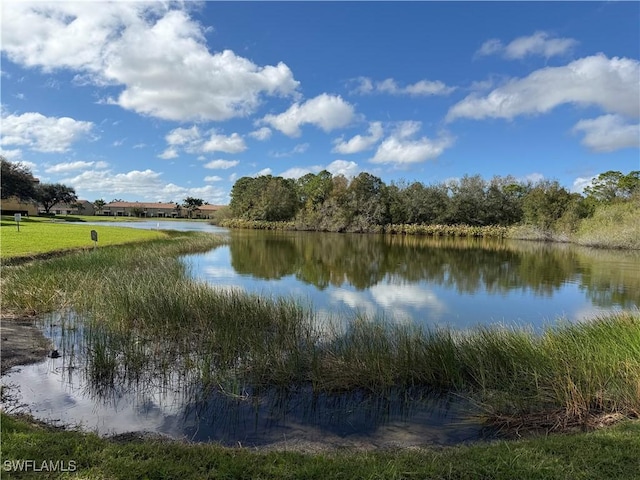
<point x="16" y="181"/>
<point x="48" y="194"/>
<point x="192" y="204"/>
<point x="545" y="203"/>
<point x="468" y="201"/>
<point x="99" y="205"/>
<point x="612" y="186"/>
<point x="366" y="202"/>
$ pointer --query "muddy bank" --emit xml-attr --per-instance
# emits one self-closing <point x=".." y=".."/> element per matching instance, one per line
<point x="21" y="342"/>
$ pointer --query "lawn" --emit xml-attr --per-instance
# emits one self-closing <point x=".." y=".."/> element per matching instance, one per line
<point x="41" y="235"/>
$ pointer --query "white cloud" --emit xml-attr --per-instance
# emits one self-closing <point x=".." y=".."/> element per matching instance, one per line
<point x="298" y="149"/>
<point x="343" y="167"/>
<point x="221" y="164"/>
<point x="261" y="134"/>
<point x="154" y="50"/>
<point x="327" y="112"/>
<point x="390" y="86"/>
<point x="580" y="183"/>
<point x="233" y="177"/>
<point x="297" y="172"/>
<point x="264" y="171"/>
<point x="221" y="143"/>
<point x="146" y="184"/>
<point x="608" y="133"/>
<point x="192" y="141"/>
<point x="400" y="149"/>
<point x="212" y="178"/>
<point x="12" y="155"/>
<point x="533" y="177"/>
<point x="71" y="166"/>
<point x="612" y="84"/>
<point x="168" y="154"/>
<point x="43" y="134"/>
<point x="359" y="143"/>
<point x="183" y="136"/>
<point x="540" y="43"/>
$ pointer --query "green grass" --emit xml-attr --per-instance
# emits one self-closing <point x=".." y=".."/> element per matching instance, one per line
<point x="607" y="453"/>
<point x="612" y="226"/>
<point x="39" y="236"/>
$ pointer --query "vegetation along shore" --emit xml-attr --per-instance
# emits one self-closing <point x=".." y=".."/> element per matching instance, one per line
<point x="606" y="215"/>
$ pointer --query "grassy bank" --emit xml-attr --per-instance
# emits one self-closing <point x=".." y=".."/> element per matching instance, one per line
<point x="610" y="453"/>
<point x="148" y="316"/>
<point x="39" y="235"/>
<point x="493" y="231"/>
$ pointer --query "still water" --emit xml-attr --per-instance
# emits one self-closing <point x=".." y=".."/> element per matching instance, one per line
<point x="429" y="281"/>
<point x="455" y="282"/>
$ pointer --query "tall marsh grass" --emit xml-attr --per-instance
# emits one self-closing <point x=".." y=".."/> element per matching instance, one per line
<point x="145" y="318"/>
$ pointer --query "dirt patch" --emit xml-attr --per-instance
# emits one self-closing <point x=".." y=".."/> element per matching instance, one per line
<point x="21" y="342"/>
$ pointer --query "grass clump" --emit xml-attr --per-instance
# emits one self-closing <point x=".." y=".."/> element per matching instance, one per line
<point x="614" y="226"/>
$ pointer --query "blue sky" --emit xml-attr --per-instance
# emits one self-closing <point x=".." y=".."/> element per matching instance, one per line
<point x="162" y="100"/>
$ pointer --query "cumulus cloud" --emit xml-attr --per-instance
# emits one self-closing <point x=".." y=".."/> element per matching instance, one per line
<point x="154" y="51"/>
<point x="327" y="112"/>
<point x="401" y="149"/>
<point x="608" y="133"/>
<point x="359" y="143"/>
<point x="71" y="166"/>
<point x="611" y="84"/>
<point x="221" y="143"/>
<point x="422" y="88"/>
<point x="221" y="164"/>
<point x="146" y="184"/>
<point x="540" y="43"/>
<point x="261" y="134"/>
<point x="297" y="172"/>
<point x="337" y="167"/>
<point x="212" y="178"/>
<point x="192" y="141"/>
<point x="343" y="167"/>
<point x="264" y="171"/>
<point x="43" y="134"/>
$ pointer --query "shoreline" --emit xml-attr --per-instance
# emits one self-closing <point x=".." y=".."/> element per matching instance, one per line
<point x="22" y="342"/>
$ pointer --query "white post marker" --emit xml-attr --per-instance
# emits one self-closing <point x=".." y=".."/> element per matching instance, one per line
<point x="17" y="217"/>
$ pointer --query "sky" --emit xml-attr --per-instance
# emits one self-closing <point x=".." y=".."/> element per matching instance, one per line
<point x="157" y="101"/>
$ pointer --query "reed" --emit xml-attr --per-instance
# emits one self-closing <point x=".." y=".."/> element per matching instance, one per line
<point x="144" y="318"/>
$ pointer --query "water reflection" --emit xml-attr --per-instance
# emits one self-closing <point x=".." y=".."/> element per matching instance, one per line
<point x="460" y="282"/>
<point x="162" y="392"/>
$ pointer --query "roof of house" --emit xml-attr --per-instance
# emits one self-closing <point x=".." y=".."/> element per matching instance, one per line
<point x="140" y="205"/>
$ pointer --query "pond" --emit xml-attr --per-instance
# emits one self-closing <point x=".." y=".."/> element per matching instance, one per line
<point x="425" y="281"/>
<point x="429" y="281"/>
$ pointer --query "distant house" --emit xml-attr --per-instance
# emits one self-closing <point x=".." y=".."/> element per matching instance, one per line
<point x="155" y="210"/>
<point x="206" y="211"/>
<point x="12" y="205"/>
<point x="81" y="207"/>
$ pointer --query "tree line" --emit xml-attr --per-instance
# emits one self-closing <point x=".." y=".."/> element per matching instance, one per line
<point x="365" y="203"/>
